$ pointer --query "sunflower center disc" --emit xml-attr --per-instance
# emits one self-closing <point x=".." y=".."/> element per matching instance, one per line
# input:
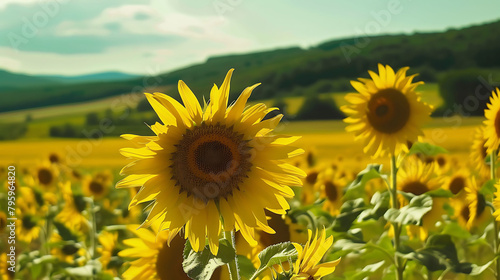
<point x="44" y="176"/>
<point x="211" y="161"/>
<point x="96" y="187"/>
<point x="457" y="184"/>
<point x="388" y="110"/>
<point x="481" y="204"/>
<point x="213" y="157"/>
<point x="331" y="191"/>
<point x="28" y="223"/>
<point x="416" y="188"/>
<point x="69" y="249"/>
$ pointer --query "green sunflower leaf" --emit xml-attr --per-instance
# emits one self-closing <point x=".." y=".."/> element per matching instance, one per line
<point x="440" y="253"/>
<point x="201" y="265"/>
<point x="275" y="254"/>
<point x="349" y="212"/>
<point x="426" y="149"/>
<point x="357" y="187"/>
<point x="380" y="202"/>
<point x="412" y="213"/>
<point x="246" y="267"/>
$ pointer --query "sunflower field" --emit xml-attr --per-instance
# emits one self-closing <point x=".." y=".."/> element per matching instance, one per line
<point x="227" y="190"/>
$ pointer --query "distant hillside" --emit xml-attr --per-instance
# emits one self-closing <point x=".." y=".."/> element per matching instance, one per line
<point x="11" y="81"/>
<point x="293" y="71"/>
<point x="96" y="77"/>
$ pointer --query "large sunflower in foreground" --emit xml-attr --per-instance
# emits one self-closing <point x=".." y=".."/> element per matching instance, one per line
<point x="492" y="122"/>
<point x="306" y="267"/>
<point x="203" y="165"/>
<point x="386" y="113"/>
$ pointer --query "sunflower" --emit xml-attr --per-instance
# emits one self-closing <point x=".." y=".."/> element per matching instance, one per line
<point x="68" y="251"/>
<point x="492" y="122"/>
<point x="108" y="252"/>
<point x="479" y="152"/>
<point x="55" y="158"/>
<point x="331" y="187"/>
<point x="98" y="185"/>
<point x="5" y="273"/>
<point x="45" y="176"/>
<point x="478" y="213"/>
<point x="156" y="260"/>
<point x="203" y="165"/>
<point x="28" y="227"/>
<point x="417" y="178"/>
<point x="73" y="212"/>
<point x="308" y="193"/>
<point x="306" y="267"/>
<point x="386" y="113"/>
<point x="457" y="182"/>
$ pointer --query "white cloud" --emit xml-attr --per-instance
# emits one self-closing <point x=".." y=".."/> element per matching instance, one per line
<point x="5" y="3"/>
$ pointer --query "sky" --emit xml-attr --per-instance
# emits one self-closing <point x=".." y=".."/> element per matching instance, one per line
<point x="148" y="37"/>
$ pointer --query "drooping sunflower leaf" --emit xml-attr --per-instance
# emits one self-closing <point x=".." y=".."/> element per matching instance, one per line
<point x="412" y="213"/>
<point x="380" y="202"/>
<point x="201" y="265"/>
<point x="246" y="267"/>
<point x="349" y="212"/>
<point x="357" y="187"/>
<point x="276" y="254"/>
<point x="440" y="253"/>
<point x="426" y="149"/>
<point x="93" y="267"/>
<point x="440" y="193"/>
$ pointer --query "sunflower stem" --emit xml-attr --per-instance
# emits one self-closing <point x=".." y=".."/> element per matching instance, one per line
<point x="495" y="224"/>
<point x="234" y="273"/>
<point x="397" y="230"/>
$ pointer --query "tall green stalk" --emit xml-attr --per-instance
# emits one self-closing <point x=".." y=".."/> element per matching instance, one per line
<point x="397" y="229"/>
<point x="234" y="273"/>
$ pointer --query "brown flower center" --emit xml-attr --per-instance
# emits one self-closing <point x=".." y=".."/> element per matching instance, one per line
<point x="331" y="191"/>
<point x="169" y="261"/>
<point x="497" y="123"/>
<point x="465" y="213"/>
<point x="54" y="158"/>
<point x="457" y="184"/>
<point x="28" y="222"/>
<point x="45" y="177"/>
<point x="96" y="187"/>
<point x="416" y="188"/>
<point x="441" y="161"/>
<point x="279" y="225"/>
<point x="312" y="177"/>
<point x="388" y="111"/>
<point x="481" y="204"/>
<point x="69" y="249"/>
<point x="211" y="161"/>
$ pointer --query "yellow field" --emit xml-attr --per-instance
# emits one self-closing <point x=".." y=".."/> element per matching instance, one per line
<point x="329" y="137"/>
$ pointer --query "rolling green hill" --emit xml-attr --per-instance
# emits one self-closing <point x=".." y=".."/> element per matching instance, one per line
<point x="294" y="71"/>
